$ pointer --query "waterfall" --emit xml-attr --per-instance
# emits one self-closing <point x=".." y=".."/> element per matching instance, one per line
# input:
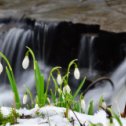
<point x="119" y="79"/>
<point x="116" y="97"/>
<point x="13" y="45"/>
<point x="85" y="57"/>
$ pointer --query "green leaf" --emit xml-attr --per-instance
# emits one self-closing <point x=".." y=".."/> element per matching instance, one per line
<point x="101" y="100"/>
<point x="39" y="78"/>
<point x="53" y="96"/>
<point x="79" y="88"/>
<point x="14" y="87"/>
<point x="91" y="108"/>
<point x="118" y="119"/>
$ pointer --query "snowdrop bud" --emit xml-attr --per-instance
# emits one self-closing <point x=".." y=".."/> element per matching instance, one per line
<point x="76" y="73"/>
<point x="59" y="79"/>
<point x="104" y="105"/>
<point x="59" y="91"/>
<point x="25" y="63"/>
<point x="25" y="98"/>
<point x="82" y="102"/>
<point x="36" y="106"/>
<point x="66" y="89"/>
<point x="7" y="124"/>
<point x="1" y="68"/>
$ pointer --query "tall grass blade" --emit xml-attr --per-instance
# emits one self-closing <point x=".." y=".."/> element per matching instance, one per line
<point x="79" y="88"/>
<point x="14" y="87"/>
<point x="39" y="78"/>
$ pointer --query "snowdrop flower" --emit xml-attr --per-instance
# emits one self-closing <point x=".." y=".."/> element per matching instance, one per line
<point x="25" y="98"/>
<point x="76" y="73"/>
<point x="36" y="106"/>
<point x="1" y="68"/>
<point x="66" y="89"/>
<point x="7" y="124"/>
<point x="59" y="79"/>
<point x="82" y="102"/>
<point x="25" y="63"/>
<point x="59" y="91"/>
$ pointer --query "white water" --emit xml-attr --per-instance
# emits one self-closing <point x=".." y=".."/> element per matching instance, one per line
<point x="14" y="47"/>
<point x="116" y="97"/>
<point x="85" y="57"/>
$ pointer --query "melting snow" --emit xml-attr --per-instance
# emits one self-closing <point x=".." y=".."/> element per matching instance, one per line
<point x="54" y="116"/>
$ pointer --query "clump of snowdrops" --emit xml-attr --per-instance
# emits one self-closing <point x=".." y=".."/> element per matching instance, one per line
<point x="61" y="96"/>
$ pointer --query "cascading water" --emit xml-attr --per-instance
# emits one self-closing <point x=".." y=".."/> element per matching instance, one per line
<point x="115" y="97"/>
<point x="85" y="57"/>
<point x="13" y="46"/>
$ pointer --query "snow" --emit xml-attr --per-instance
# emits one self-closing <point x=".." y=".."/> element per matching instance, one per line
<point x="54" y="116"/>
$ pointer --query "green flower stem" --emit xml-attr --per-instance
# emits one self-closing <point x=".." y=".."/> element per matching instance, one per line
<point x="49" y="78"/>
<point x="69" y="66"/>
<point x="79" y="88"/>
<point x="39" y="78"/>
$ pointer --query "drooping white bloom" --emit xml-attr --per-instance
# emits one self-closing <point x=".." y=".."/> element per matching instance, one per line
<point x="25" y="98"/>
<point x="82" y="102"/>
<point x="59" y="91"/>
<point x="7" y="124"/>
<point x="66" y="89"/>
<point x="76" y="73"/>
<point x="1" y="68"/>
<point x="59" y="79"/>
<point x="25" y="63"/>
<point x="36" y="106"/>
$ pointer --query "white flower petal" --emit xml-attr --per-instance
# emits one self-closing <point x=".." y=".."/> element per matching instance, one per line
<point x="1" y="68"/>
<point x="76" y="73"/>
<point x="66" y="89"/>
<point x="36" y="106"/>
<point x="25" y="98"/>
<point x="83" y="105"/>
<point x="59" y="79"/>
<point x="25" y="63"/>
<point x="59" y="91"/>
<point x="104" y="105"/>
<point x="7" y="124"/>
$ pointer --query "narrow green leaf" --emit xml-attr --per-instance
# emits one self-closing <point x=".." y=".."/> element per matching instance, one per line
<point x="91" y="108"/>
<point x="53" y="97"/>
<point x="79" y="88"/>
<point x="14" y="87"/>
<point x="39" y="84"/>
<point x="101" y="100"/>
<point x="118" y="119"/>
